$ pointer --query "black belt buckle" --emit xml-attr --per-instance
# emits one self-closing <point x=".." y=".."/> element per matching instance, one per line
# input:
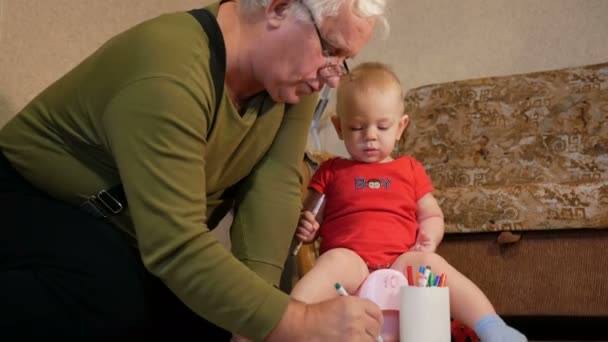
<point x="109" y="202"/>
<point x="102" y="205"/>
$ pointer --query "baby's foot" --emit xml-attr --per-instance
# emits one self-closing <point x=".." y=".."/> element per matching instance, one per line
<point x="492" y="328"/>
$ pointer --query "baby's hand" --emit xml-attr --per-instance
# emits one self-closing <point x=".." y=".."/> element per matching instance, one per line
<point x="424" y="243"/>
<point x="307" y="227"/>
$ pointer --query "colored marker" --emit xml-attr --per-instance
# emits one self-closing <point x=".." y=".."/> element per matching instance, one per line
<point x="420" y="274"/>
<point x="315" y="211"/>
<point x="442" y="281"/>
<point x="410" y="276"/>
<point x="431" y="279"/>
<point x="421" y="280"/>
<point x="426" y="275"/>
<point x="437" y="280"/>
<point x="342" y="292"/>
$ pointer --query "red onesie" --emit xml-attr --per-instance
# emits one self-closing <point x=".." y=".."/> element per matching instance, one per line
<point x="370" y="208"/>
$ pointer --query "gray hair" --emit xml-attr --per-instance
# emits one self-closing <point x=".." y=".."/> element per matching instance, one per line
<point x="328" y="8"/>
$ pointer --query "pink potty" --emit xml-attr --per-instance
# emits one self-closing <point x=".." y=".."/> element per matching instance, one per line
<point x="383" y="288"/>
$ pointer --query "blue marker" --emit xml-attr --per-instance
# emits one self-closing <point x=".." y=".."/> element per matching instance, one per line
<point x="437" y="280"/>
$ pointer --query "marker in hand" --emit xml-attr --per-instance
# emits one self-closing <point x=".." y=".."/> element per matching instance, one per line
<point x="342" y="292"/>
<point x="315" y="211"/>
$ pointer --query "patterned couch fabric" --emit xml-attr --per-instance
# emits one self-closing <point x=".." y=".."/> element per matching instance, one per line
<point x="521" y="152"/>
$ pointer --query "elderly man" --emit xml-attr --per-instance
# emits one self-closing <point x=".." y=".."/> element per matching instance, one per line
<point x="113" y="176"/>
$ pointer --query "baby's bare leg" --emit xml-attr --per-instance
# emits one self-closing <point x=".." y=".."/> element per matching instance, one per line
<point x="337" y="265"/>
<point x="467" y="303"/>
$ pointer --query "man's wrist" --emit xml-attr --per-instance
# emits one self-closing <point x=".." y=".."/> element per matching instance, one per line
<point x="291" y="326"/>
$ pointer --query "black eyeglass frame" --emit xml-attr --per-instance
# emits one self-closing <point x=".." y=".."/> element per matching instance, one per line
<point x="324" y="44"/>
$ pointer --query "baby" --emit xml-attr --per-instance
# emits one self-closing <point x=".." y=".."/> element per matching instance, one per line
<point x="379" y="212"/>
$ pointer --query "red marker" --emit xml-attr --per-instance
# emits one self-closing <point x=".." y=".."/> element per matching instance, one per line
<point x="410" y="276"/>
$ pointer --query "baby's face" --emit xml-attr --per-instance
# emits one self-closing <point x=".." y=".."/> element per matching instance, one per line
<point x="370" y="123"/>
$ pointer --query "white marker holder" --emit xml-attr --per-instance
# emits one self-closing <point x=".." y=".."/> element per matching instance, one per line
<point x="424" y="314"/>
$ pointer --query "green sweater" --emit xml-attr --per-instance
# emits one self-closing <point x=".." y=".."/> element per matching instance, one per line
<point x="140" y="111"/>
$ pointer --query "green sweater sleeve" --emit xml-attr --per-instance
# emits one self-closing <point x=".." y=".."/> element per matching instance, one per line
<point x="269" y="200"/>
<point x="159" y="148"/>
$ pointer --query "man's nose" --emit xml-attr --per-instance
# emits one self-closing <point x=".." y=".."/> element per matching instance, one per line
<point x="332" y="81"/>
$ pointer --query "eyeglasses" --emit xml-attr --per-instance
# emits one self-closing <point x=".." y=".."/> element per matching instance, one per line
<point x="330" y="69"/>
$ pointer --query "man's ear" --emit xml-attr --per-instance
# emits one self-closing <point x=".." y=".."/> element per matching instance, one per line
<point x="276" y="11"/>
<point x="403" y="122"/>
<point x="335" y="120"/>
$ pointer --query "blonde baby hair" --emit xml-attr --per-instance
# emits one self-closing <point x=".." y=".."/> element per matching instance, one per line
<point x="367" y="76"/>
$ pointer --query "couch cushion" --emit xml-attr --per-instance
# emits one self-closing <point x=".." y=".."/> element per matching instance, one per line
<point x="520" y="152"/>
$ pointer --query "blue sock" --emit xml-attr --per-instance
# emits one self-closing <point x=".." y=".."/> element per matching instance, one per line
<point x="492" y="328"/>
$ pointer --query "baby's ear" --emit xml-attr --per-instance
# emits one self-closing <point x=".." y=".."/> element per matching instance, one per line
<point x="335" y="120"/>
<point x="403" y="122"/>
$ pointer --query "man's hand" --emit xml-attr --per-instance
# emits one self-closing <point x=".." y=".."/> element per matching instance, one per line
<point x="338" y="319"/>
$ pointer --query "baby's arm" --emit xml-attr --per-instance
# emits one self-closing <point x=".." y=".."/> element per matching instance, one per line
<point x="430" y="224"/>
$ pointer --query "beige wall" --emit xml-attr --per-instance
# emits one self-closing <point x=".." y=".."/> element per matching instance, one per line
<point x="42" y="39"/>
<point x="435" y="41"/>
<point x="430" y="41"/>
